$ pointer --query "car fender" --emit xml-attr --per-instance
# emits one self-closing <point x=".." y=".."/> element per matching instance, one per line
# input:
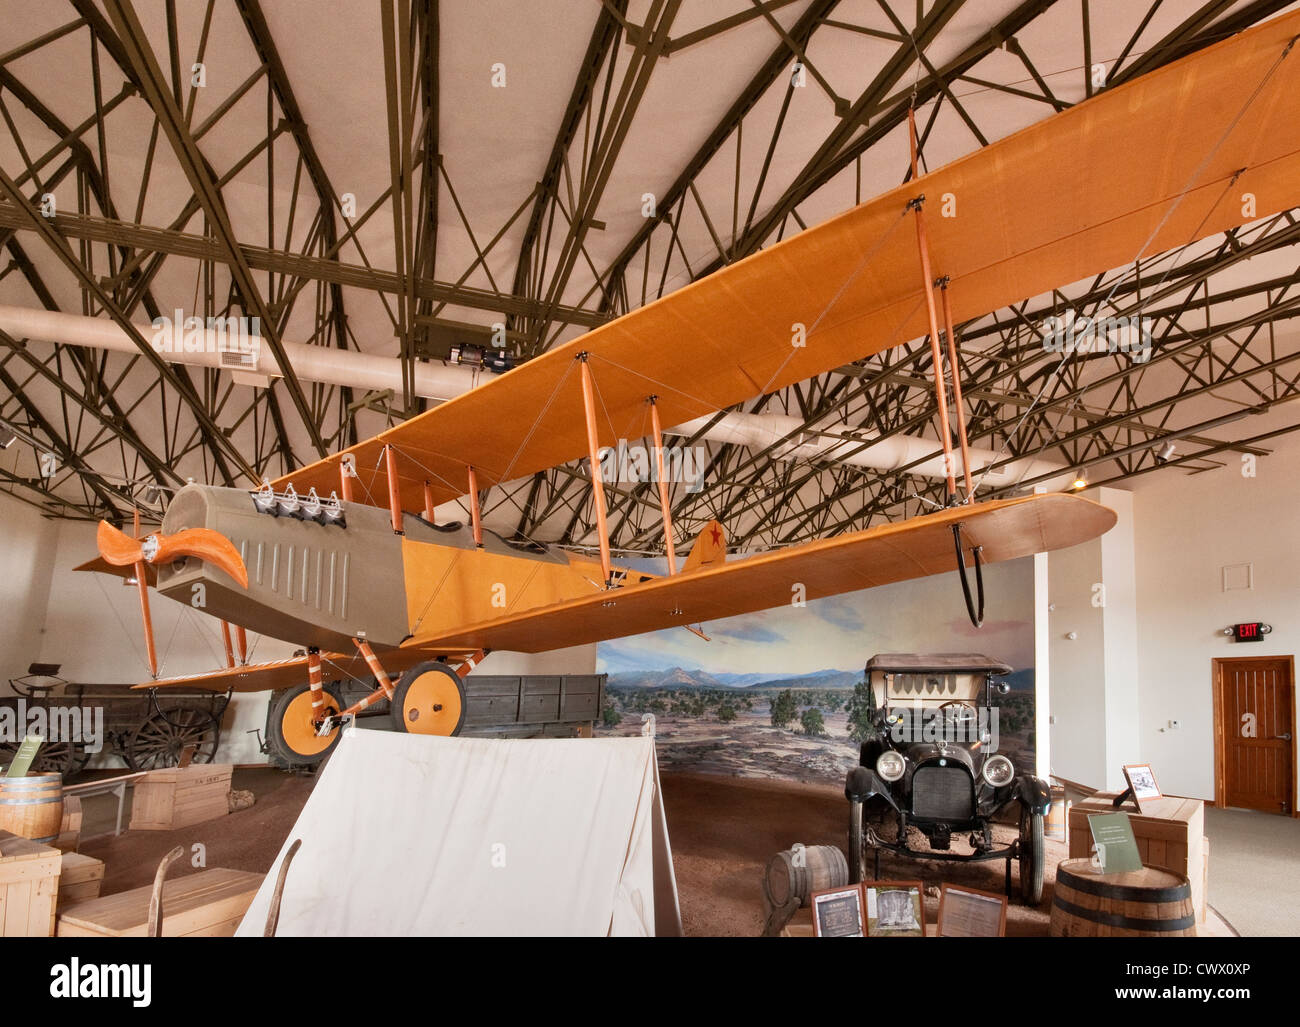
<point x="1034" y="793"/>
<point x="862" y="784"/>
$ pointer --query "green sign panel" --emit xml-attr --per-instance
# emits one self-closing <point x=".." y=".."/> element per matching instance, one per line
<point x="22" y="760"/>
<point x="1115" y="850"/>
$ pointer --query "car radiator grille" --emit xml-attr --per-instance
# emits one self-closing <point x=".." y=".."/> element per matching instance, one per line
<point x="941" y="793"/>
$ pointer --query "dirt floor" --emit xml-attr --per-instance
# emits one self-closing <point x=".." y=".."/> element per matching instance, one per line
<point x="247" y="840"/>
<point x="723" y="832"/>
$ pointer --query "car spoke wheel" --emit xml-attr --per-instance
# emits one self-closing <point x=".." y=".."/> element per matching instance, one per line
<point x="1032" y="857"/>
<point x="857" y="845"/>
<point x="160" y="740"/>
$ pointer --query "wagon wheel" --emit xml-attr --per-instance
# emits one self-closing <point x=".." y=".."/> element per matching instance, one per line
<point x="52" y="758"/>
<point x="161" y="739"/>
<point x="80" y="757"/>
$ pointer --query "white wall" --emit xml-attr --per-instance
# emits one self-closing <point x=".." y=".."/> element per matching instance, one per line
<point x="1188" y="529"/>
<point x="1119" y="614"/>
<point x="1078" y="666"/>
<point x="1094" y="677"/>
<point x="580" y="659"/>
<point x="26" y="558"/>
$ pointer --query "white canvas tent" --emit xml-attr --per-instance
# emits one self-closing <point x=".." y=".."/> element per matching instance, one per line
<point x="407" y="835"/>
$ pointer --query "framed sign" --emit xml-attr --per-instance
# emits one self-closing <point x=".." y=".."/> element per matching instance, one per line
<point x="1142" y="783"/>
<point x="967" y="913"/>
<point x="894" y="909"/>
<point x="837" y="913"/>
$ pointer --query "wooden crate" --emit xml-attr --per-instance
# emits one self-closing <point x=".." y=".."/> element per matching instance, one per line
<point x="1170" y="834"/>
<point x="29" y="884"/>
<point x="207" y="904"/>
<point x="80" y="880"/>
<point x="165" y="800"/>
<point x="70" y="830"/>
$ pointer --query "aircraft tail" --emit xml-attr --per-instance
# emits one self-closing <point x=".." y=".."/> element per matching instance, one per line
<point x="710" y="547"/>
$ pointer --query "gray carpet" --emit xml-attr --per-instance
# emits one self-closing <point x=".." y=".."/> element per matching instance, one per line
<point x="1255" y="871"/>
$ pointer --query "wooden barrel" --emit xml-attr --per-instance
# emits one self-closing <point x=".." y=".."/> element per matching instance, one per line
<point x="1146" y="903"/>
<point x="798" y="873"/>
<point x="32" y="806"/>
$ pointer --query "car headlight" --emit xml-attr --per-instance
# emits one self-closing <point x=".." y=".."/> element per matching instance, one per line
<point x="998" y="771"/>
<point x="890" y="766"/>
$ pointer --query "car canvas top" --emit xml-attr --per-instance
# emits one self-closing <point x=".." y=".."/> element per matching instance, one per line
<point x="948" y="662"/>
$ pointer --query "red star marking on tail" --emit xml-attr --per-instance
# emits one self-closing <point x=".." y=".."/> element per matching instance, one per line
<point x="715" y="533"/>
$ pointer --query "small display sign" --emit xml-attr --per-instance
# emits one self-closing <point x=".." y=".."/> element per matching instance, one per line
<point x="967" y="913"/>
<point x="1114" y="849"/>
<point x="837" y="913"/>
<point x="24" y="757"/>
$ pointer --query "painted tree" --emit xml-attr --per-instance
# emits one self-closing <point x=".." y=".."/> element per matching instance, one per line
<point x="861" y="709"/>
<point x="783" y="709"/>
<point x="813" y="723"/>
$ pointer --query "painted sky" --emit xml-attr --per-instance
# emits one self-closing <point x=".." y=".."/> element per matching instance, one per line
<point x="843" y="632"/>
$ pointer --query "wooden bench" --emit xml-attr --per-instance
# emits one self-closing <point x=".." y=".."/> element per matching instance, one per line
<point x="207" y="904"/>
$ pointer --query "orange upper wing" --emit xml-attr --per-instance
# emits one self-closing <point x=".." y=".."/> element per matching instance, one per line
<point x="1048" y="206"/>
<point x="1007" y="529"/>
<point x="1084" y="191"/>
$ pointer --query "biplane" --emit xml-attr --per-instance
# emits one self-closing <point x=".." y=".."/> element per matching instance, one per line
<point x="345" y="558"/>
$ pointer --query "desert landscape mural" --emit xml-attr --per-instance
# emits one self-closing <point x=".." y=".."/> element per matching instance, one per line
<point x="772" y="694"/>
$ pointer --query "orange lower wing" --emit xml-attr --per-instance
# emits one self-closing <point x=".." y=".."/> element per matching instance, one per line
<point x="1006" y="529"/>
<point x="265" y="677"/>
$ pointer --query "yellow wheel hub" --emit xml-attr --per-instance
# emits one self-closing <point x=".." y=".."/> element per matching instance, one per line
<point x="297" y="728"/>
<point x="431" y="705"/>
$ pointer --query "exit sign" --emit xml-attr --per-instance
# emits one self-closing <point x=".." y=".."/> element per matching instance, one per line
<point x="1252" y="632"/>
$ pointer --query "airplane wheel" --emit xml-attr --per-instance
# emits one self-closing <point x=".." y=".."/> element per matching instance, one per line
<point x="290" y="730"/>
<point x="429" y="700"/>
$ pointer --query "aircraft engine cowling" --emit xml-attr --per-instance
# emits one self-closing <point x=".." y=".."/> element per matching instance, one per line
<point x="310" y="581"/>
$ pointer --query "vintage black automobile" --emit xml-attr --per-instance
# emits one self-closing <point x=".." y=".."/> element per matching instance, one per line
<point x="932" y="765"/>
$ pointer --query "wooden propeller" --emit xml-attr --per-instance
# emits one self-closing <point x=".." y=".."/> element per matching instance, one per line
<point x="121" y="550"/>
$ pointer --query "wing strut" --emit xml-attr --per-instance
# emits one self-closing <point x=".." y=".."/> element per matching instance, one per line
<point x="225" y="638"/>
<point x="475" y="511"/>
<point x="664" y="505"/>
<point x="394" y="488"/>
<point x="345" y="481"/>
<point x="936" y="355"/>
<point x="942" y="283"/>
<point x="597" y="482"/>
<point x="142" y="583"/>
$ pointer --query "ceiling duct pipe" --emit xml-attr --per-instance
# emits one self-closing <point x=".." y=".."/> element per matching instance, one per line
<point x="212" y="346"/>
<point x="922" y="457"/>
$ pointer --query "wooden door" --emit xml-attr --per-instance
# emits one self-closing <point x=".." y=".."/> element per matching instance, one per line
<point x="1254" y="733"/>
